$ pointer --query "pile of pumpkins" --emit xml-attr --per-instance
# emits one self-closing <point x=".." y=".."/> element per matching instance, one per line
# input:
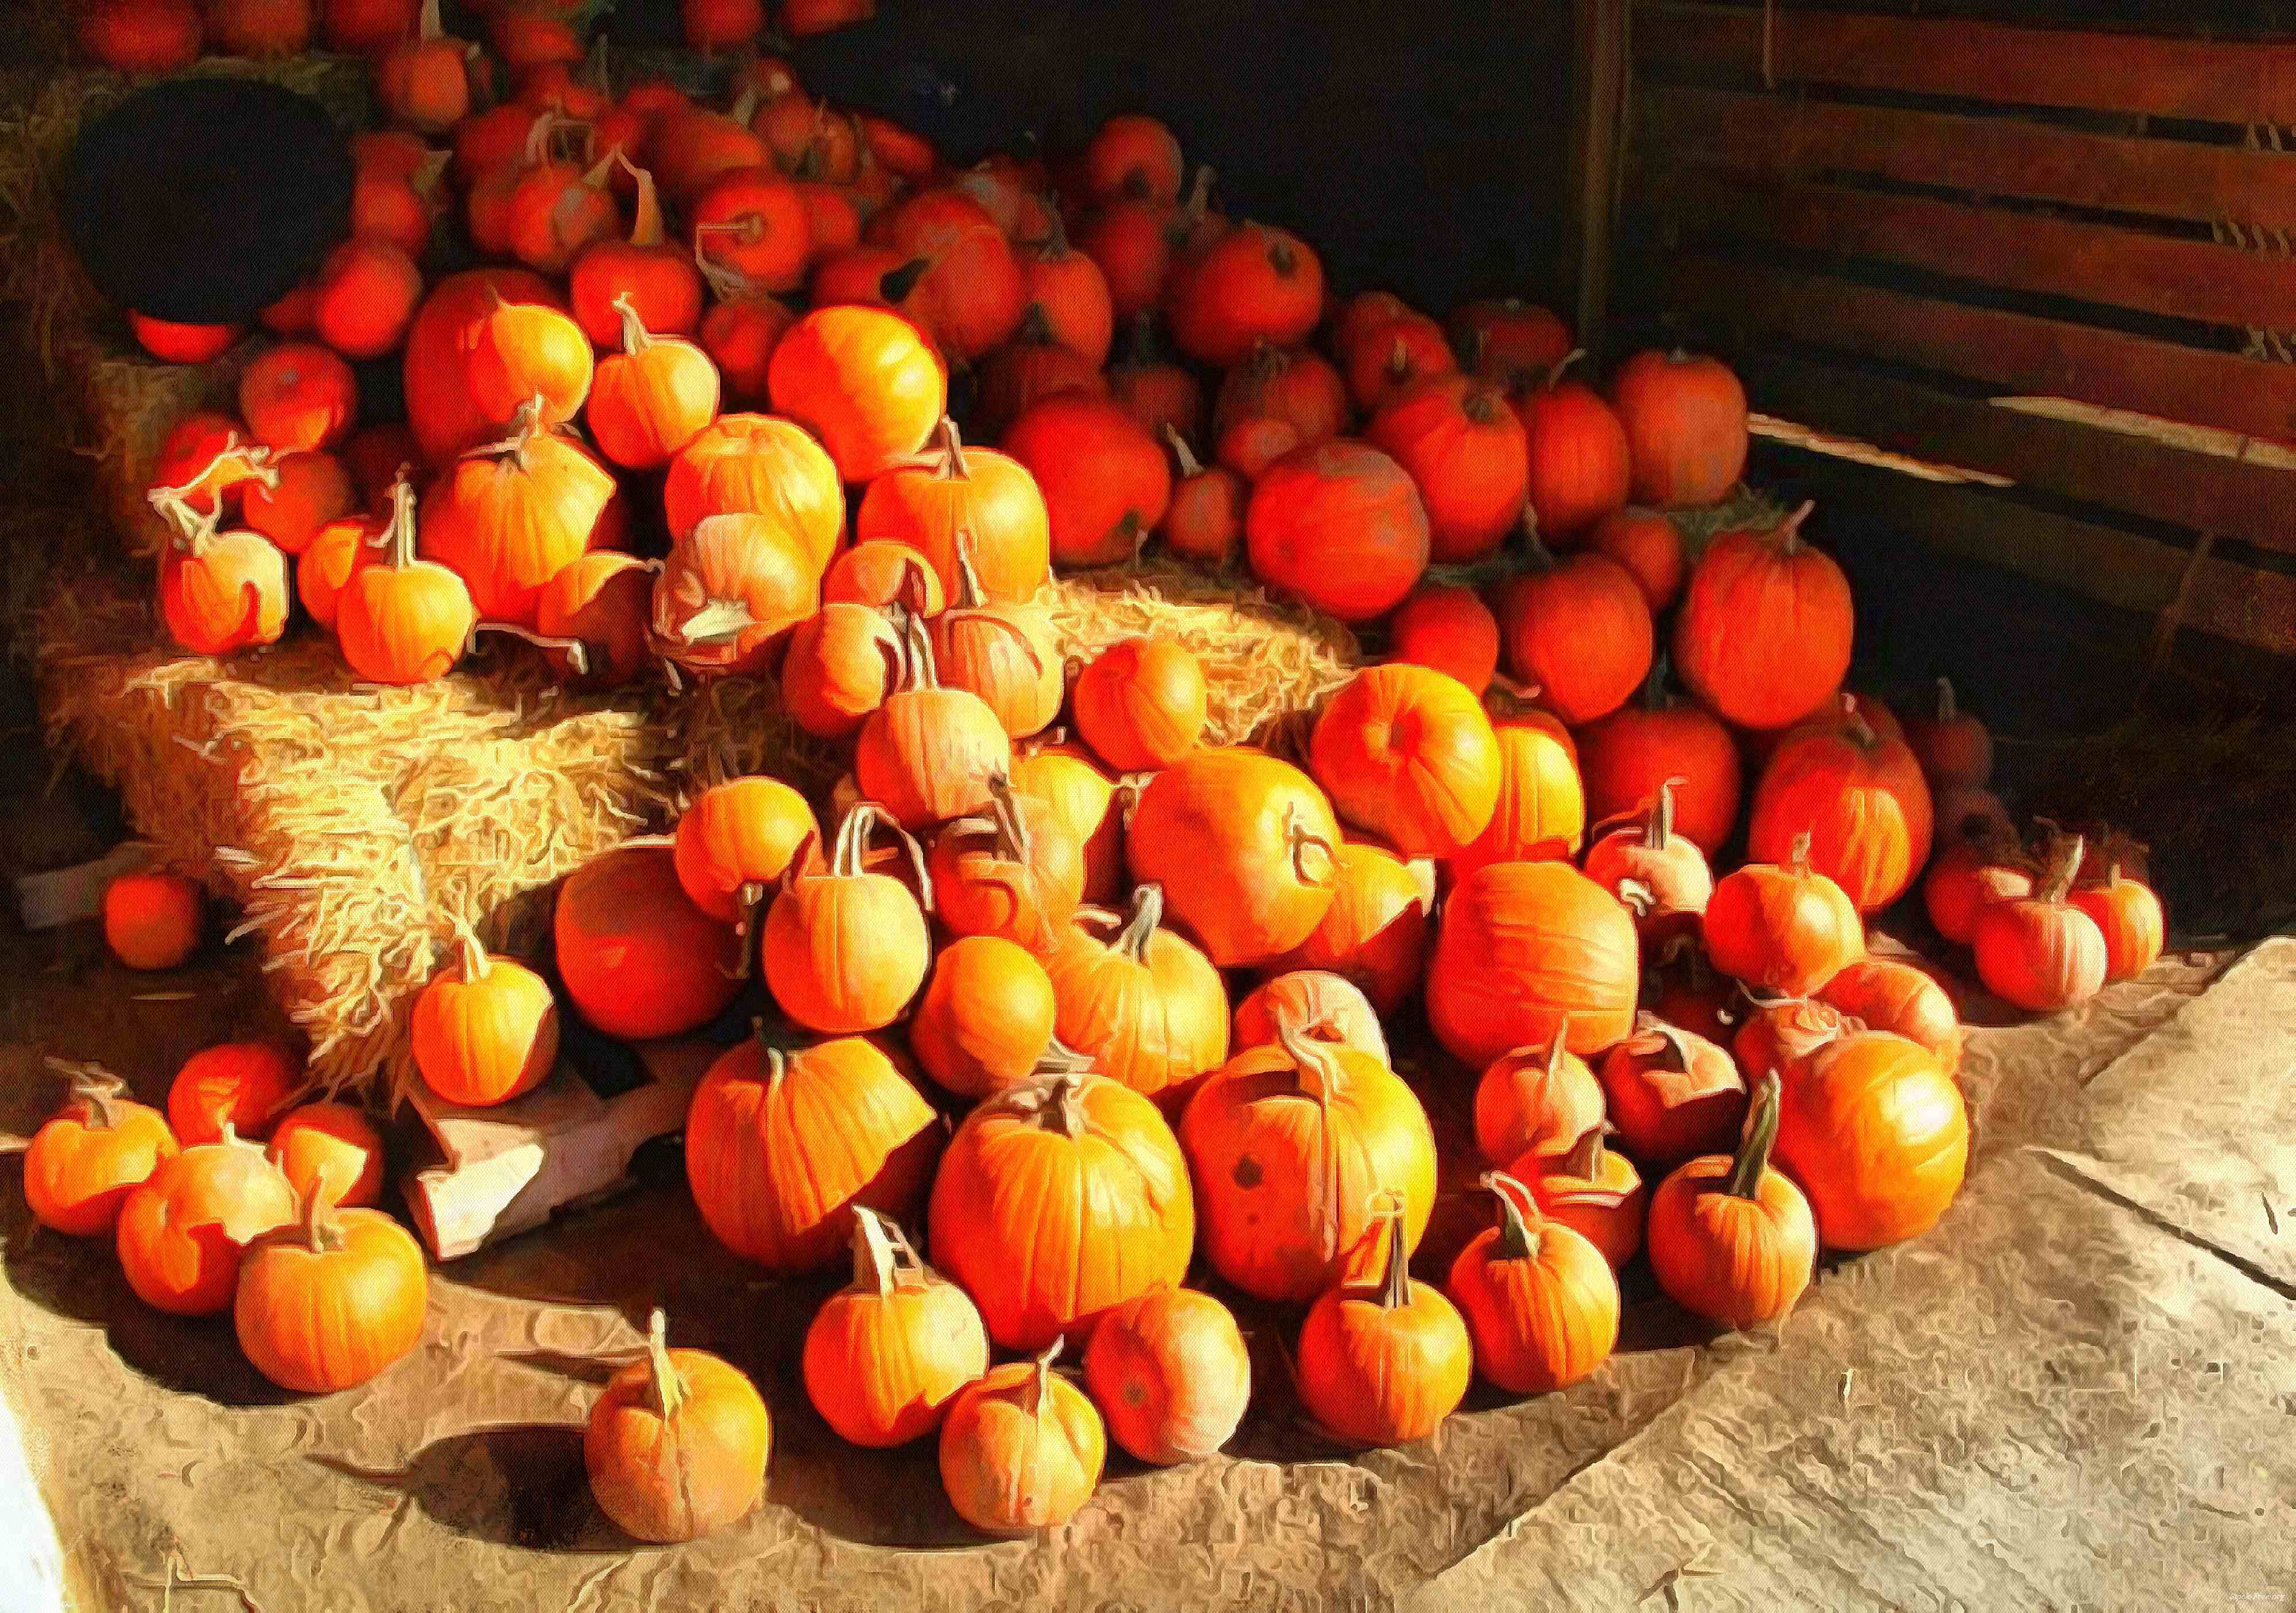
<point x="1085" y="1003"/>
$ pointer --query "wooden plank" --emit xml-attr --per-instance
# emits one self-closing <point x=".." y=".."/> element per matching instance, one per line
<point x="2099" y="562"/>
<point x="2204" y="492"/>
<point x="2223" y="81"/>
<point x="2015" y="352"/>
<point x="1598" y="94"/>
<point x="2181" y="279"/>
<point x="1794" y="137"/>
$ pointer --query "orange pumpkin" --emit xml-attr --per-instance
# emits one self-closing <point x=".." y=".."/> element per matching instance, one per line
<point x="1578" y="630"/>
<point x="297" y="396"/>
<point x="602" y="604"/>
<point x="1153" y="390"/>
<point x="884" y="1356"/>
<point x="652" y="398"/>
<point x="730" y="592"/>
<point x="2131" y="920"/>
<point x="1534" y="1100"/>
<point x="754" y="222"/>
<point x="1876" y="1135"/>
<point x="364" y="300"/>
<point x="1068" y="297"/>
<point x="841" y="663"/>
<point x="529" y="352"/>
<point x="1375" y="935"/>
<point x="1293" y="385"/>
<point x="986" y="1020"/>
<point x="1317" y="1003"/>
<point x="1648" y="543"/>
<point x="864" y="382"/>
<point x="953" y="500"/>
<point x="1203" y="523"/>
<point x="1407" y="754"/>
<point x="2042" y="951"/>
<point x="1132" y="155"/>
<point x="1883" y="994"/>
<point x="1171" y="1371"/>
<point x="1627" y="756"/>
<point x="1383" y="1362"/>
<point x="676" y="1444"/>
<point x="845" y="948"/>
<point x="1058" y="1201"/>
<point x="1252" y="283"/>
<point x="447" y="420"/>
<point x="928" y="753"/>
<point x="783" y="1147"/>
<point x="484" y="1029"/>
<point x="422" y="76"/>
<point x="304" y="493"/>
<point x="1660" y="877"/>
<point x="1105" y="480"/>
<point x="1391" y="359"/>
<point x="1340" y="525"/>
<point x="1508" y="342"/>
<point x="1291" y="1146"/>
<point x="1245" y="846"/>
<point x="1857" y="796"/>
<point x="1524" y="948"/>
<point x="1730" y="1238"/>
<point x="660" y="279"/>
<point x="1592" y="1191"/>
<point x="139" y="35"/>
<point x="1784" y="926"/>
<point x="337" y="552"/>
<point x="1143" y="1003"/>
<point x="755" y="464"/>
<point x="1467" y="451"/>
<point x="1448" y="628"/>
<point x="1685" y="425"/>
<point x="740" y="332"/>
<point x="1089" y="803"/>
<point x="152" y="919"/>
<point x="1005" y="653"/>
<point x="507" y="517"/>
<point x="85" y="1159"/>
<point x="881" y="574"/>
<point x="637" y="958"/>
<point x="333" y="1141"/>
<point x="184" y="1230"/>
<point x="241" y="1084"/>
<point x="171" y="341"/>
<point x="737" y="840"/>
<point x="1132" y="241"/>
<point x="1541" y="811"/>
<point x="1539" y="1300"/>
<point x="1763" y="633"/>
<point x="1578" y="460"/>
<point x="1015" y="378"/>
<point x="1141" y="703"/>
<point x="1020" y="1450"/>
<point x="974" y="293"/>
<point x="1018" y="873"/>
<point x="1955" y="748"/>
<point x="219" y="592"/>
<point x="1672" y="1094"/>
<point x="402" y="620"/>
<point x="331" y="1302"/>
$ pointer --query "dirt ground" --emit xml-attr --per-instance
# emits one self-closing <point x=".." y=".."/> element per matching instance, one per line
<point x="2077" y="1393"/>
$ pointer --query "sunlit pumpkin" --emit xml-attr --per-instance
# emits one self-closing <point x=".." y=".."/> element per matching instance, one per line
<point x="85" y="1159"/>
<point x="952" y="499"/>
<point x="1859" y="800"/>
<point x="1534" y="1100"/>
<point x="1525" y="946"/>
<point x="2042" y="951"/>
<point x="1245" y="848"/>
<point x="1876" y="1135"/>
<point x="985" y="1019"/>
<point x="1375" y="935"/>
<point x="1660" y="877"/>
<point x="864" y="382"/>
<point x="1539" y="1301"/>
<point x="1021" y="1449"/>
<point x="1016" y="872"/>
<point x="1315" y="1003"/>
<point x="929" y="752"/>
<point x="1541" y="810"/>
<point x="399" y="620"/>
<point x="1672" y="1094"/>
<point x="1447" y="627"/>
<point x="1141" y="703"/>
<point x="507" y="516"/>
<point x="1781" y="926"/>
<point x="1143" y="1003"/>
<point x="1625" y="758"/>
<point x="1384" y="1362"/>
<point x="884" y="1356"/>
<point x="636" y="957"/>
<point x="2130" y="917"/>
<point x="1408" y="754"/>
<point x="737" y="840"/>
<point x="1730" y="1238"/>
<point x="729" y="594"/>
<point x="844" y="948"/>
<point x="484" y="1029"/>
<point x="331" y="1301"/>
<point x="183" y="1231"/>
<point x="652" y="397"/>
<point x="755" y="464"/>
<point x="1340" y="525"/>
<point x="676" y="1446"/>
<point x="1170" y="1371"/>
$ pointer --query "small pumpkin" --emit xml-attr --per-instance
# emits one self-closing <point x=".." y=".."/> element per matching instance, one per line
<point x="1467" y="451"/>
<point x="1340" y="525"/>
<point x="1954" y="748"/>
<point x="737" y="840"/>
<point x="652" y="397"/>
<point x="401" y="620"/>
<point x="308" y="490"/>
<point x="884" y="1356"/>
<point x="1251" y="284"/>
<point x="183" y="1232"/>
<point x="2131" y="919"/>
<point x="1579" y="469"/>
<point x="1534" y="1100"/>
<point x="1781" y="926"/>
<point x="881" y="573"/>
<point x="1856" y="795"/>
<point x="1883" y="994"/>
<point x="334" y="1139"/>
<point x="730" y="592"/>
<point x="1672" y="1094"/>
<point x="661" y="280"/>
<point x="928" y="753"/>
<point x="863" y="380"/>
<point x="1152" y="390"/>
<point x="1144" y="1004"/>
<point x="530" y="352"/>
<point x="422" y="78"/>
<point x="1539" y="1301"/>
<point x="1058" y="1201"/>
<point x="1017" y="872"/>
<point x="951" y="500"/>
<point x="85" y="1159"/>
<point x="1660" y="877"/>
<point x="1089" y="803"/>
<point x="484" y="1029"/>
<point x="1524" y="948"/>
<point x="1105" y="480"/>
<point x="331" y="1301"/>
<point x="985" y="1021"/>
<point x="1374" y="934"/>
<point x="1170" y="1371"/>
<point x="754" y="465"/>
<point x="1730" y="1238"/>
<point x="676" y="1444"/>
<point x="1141" y="703"/>
<point x="219" y="592"/>
<point x="1005" y="653"/>
<point x="1591" y="1189"/>
<point x="299" y="396"/>
<point x="1393" y="357"/>
<point x="840" y="664"/>
<point x="152" y="919"/>
<point x="1541" y="812"/>
<point x="845" y="949"/>
<point x="1384" y="1363"/>
<point x="1246" y="847"/>
<point x="1203" y="523"/>
<point x="1763" y="633"/>
<point x="1293" y="385"/>
<point x="1686" y="423"/>
<point x="1627" y="756"/>
<point x="2042" y="953"/>
<point x="1292" y="1145"/>
<point x="1447" y="627"/>
<point x="1876" y="1135"/>
<point x="754" y="222"/>
<point x="784" y="1147"/>
<point x="1408" y="754"/>
<point x="601" y="605"/>
<point x="243" y="1084"/>
<point x="1021" y="1449"/>
<point x="1578" y="629"/>
<point x="1507" y="340"/>
<point x="637" y="958"/>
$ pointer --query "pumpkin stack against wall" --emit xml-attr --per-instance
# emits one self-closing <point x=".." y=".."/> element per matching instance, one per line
<point x="692" y="419"/>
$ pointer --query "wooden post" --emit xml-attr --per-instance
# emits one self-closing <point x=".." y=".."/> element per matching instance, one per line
<point x="1598" y="97"/>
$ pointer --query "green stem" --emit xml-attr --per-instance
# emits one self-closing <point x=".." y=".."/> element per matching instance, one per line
<point x="1755" y="1141"/>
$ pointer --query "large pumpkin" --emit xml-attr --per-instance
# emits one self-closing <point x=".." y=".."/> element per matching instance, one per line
<point x="863" y="380"/>
<point x="1252" y="285"/>
<point x="1466" y="450"/>
<point x="1781" y="926"/>
<point x="1407" y="754"/>
<point x="1859" y="798"/>
<point x="1541" y="811"/>
<point x="1624" y="758"/>
<point x="1244" y="847"/>
<point x="783" y="1148"/>
<point x="447" y="419"/>
<point x="1763" y="633"/>
<point x="1340" y="525"/>
<point x="1685" y="424"/>
<point x="639" y="958"/>
<point x="1291" y="1146"/>
<point x="952" y="496"/>
<point x="1146" y="1004"/>
<point x="509" y="516"/>
<point x="1578" y="630"/>
<point x="1057" y="1200"/>
<point x="1524" y="946"/>
<point x="1105" y="481"/>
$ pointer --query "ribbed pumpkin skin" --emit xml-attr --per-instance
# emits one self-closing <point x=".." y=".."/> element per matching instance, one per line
<point x="1083" y="798"/>
<point x="1625" y="758"/>
<point x="1242" y="844"/>
<point x="1407" y="753"/>
<point x="1154" y="1022"/>
<point x="1580" y="633"/>
<point x="1876" y="1135"/>
<point x="1861" y="799"/>
<point x="183" y="1232"/>
<point x="1738" y="1262"/>
<point x="1528" y="1100"/>
<point x="1541" y="811"/>
<point x="1466" y="451"/>
<point x="1886" y="994"/>
<point x="1381" y="1374"/>
<point x="1048" y="1228"/>
<point x="446" y="418"/>
<point x="1448" y="628"/>
<point x="1020" y="1450"/>
<point x="1685" y="425"/>
<point x="1782" y="928"/>
<point x="777" y="1163"/>
<point x="1541" y="1319"/>
<point x="1340" y="525"/>
<point x="926" y="503"/>
<point x="885" y="1355"/>
<point x="745" y="831"/>
<point x="2130" y="916"/>
<point x="1579" y="468"/>
<point x="2039" y="953"/>
<point x="987" y="1016"/>
<point x="1525" y="946"/>
<point x="1313" y="1000"/>
<point x="1375" y="935"/>
<point x="507" y="522"/>
<point x="319" y="1321"/>
<point x="1763" y="633"/>
<point x="755" y="464"/>
<point x="1286" y="1183"/>
<point x="864" y="382"/>
<point x="1171" y="1374"/>
<point x="677" y="1479"/>
<point x="486" y="1038"/>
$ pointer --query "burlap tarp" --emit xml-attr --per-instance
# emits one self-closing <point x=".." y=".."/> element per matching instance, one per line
<point x="1885" y="1450"/>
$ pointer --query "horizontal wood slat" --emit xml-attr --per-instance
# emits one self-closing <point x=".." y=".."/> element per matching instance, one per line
<point x="2219" y="81"/>
<point x="2182" y="279"/>
<point x="2119" y="568"/>
<point x="2015" y="352"/>
<point x="2205" y="493"/>
<point x="1793" y="137"/>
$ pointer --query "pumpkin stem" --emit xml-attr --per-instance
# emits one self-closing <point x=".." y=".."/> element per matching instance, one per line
<point x="876" y="1267"/>
<point x="1657" y="834"/>
<point x="896" y="285"/>
<point x="1044" y="1380"/>
<point x="952" y="467"/>
<point x="95" y="1087"/>
<point x="1798" y="856"/>
<point x="1061" y="1105"/>
<point x="1755" y="1143"/>
<point x="1140" y="927"/>
<point x="1395" y="1272"/>
<point x="1012" y="832"/>
<point x="1189" y="466"/>
<point x="576" y="653"/>
<point x="429" y="24"/>
<point x="1946" y="710"/>
<point x="1059" y="1058"/>
<point x="1584" y="1159"/>
<point x="476" y="964"/>
<point x="525" y="426"/>
<point x="1789" y="530"/>
<point x="1200" y="196"/>
<point x="2062" y="868"/>
<point x="1519" y="1217"/>
<point x="323" y="1234"/>
<point x="1285" y="262"/>
<point x="1534" y="548"/>
<point x="1399" y="362"/>
<point x="669" y="1390"/>
<point x="1299" y="840"/>
<point x="1853" y="720"/>
<point x="635" y="337"/>
<point x="745" y="104"/>
<point x="1321" y="1073"/>
<point x="398" y="535"/>
<point x="1637" y="898"/>
<point x="918" y="671"/>
<point x="1554" y="373"/>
